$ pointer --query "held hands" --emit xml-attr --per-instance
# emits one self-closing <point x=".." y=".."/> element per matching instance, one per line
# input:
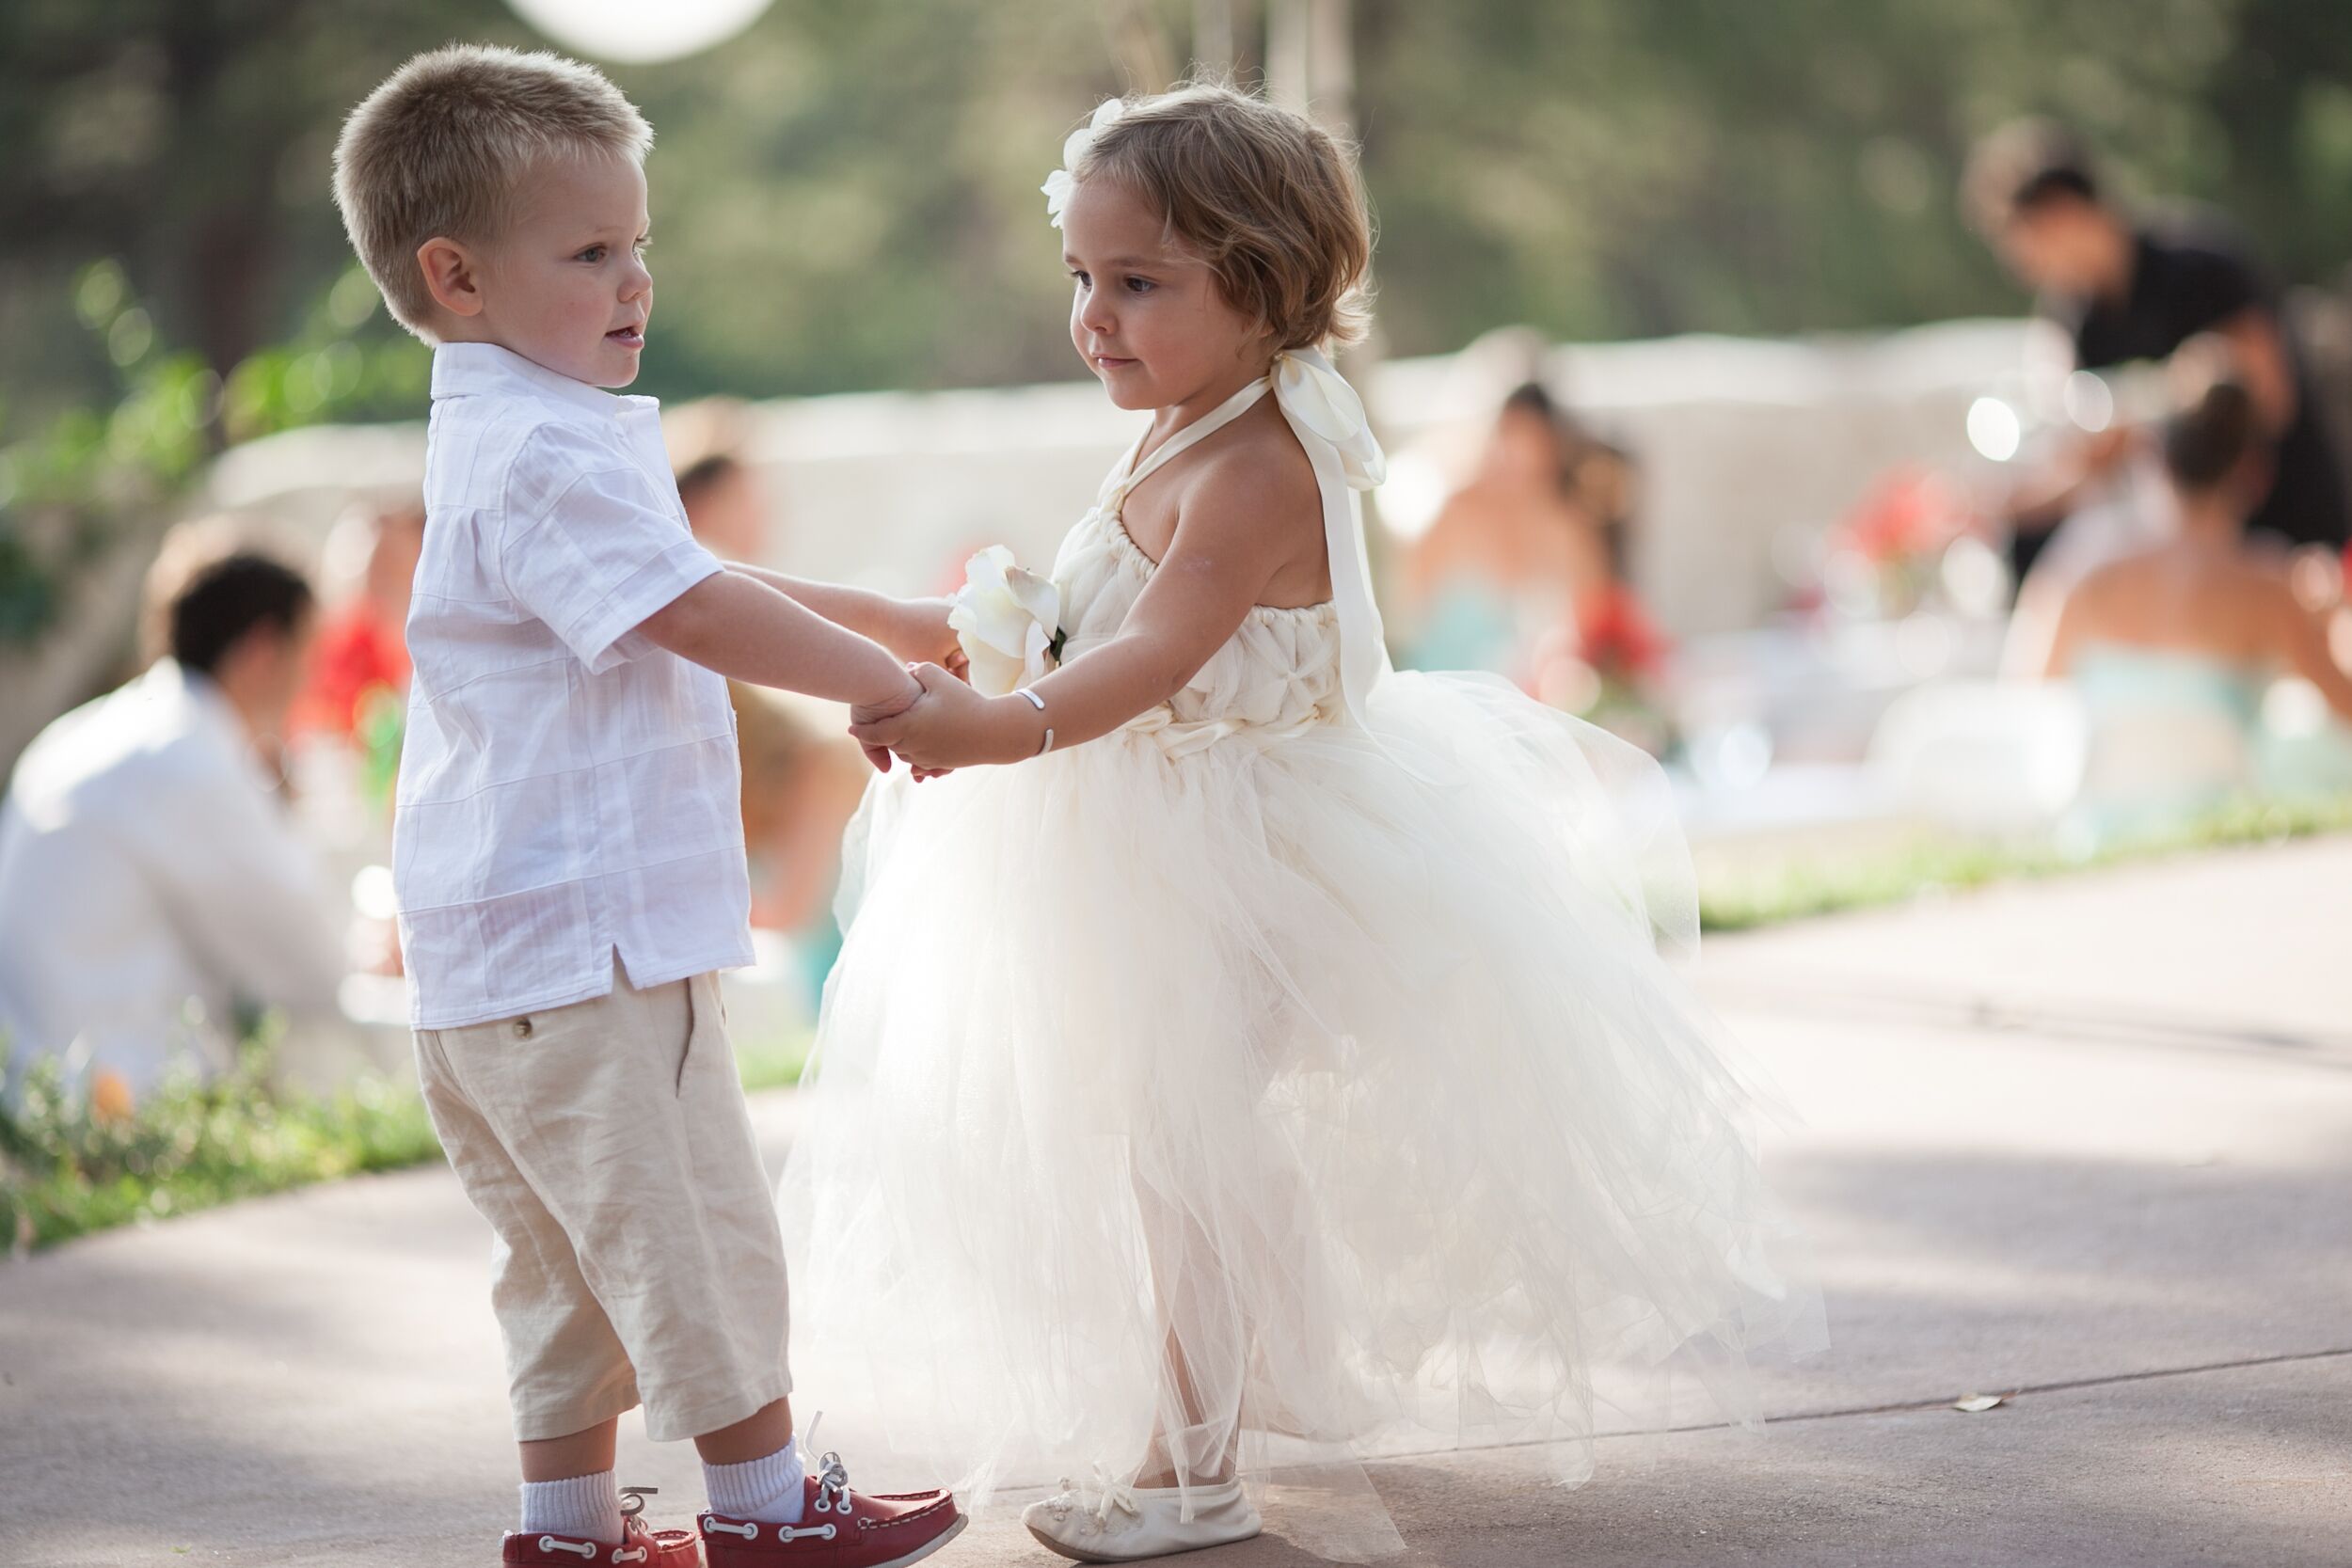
<point x="943" y="725"/>
<point x="948" y="726"/>
<point x="915" y="631"/>
<point x="862" y="715"/>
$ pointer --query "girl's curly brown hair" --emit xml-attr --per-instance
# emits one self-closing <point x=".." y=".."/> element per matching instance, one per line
<point x="1263" y="195"/>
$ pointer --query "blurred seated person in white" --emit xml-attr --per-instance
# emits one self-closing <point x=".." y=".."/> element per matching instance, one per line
<point x="153" y="895"/>
<point x="2122" y="287"/>
<point x="2172" y="647"/>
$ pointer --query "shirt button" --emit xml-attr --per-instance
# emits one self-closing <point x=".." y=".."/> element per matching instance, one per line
<point x="522" y="1028"/>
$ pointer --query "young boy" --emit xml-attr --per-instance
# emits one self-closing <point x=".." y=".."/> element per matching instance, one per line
<point x="569" y="851"/>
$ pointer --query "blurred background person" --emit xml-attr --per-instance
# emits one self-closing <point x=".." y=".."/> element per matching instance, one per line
<point x="2125" y="287"/>
<point x="153" y="891"/>
<point x="802" y="776"/>
<point x="802" y="780"/>
<point x="726" y="505"/>
<point x="361" y="654"/>
<point x="1522" y="573"/>
<point x="2172" y="647"/>
<point x="347" y="724"/>
<point x="1511" y="554"/>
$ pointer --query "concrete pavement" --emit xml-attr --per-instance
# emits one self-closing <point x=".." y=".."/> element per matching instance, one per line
<point x="2084" y="1143"/>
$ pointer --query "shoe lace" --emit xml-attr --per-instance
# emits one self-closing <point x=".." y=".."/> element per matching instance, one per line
<point x="632" y="1504"/>
<point x="833" y="1477"/>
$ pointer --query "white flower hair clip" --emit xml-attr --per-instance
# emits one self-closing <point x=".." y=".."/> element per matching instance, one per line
<point x="1059" y="183"/>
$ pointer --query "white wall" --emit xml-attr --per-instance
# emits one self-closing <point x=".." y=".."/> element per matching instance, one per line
<point x="1742" y="443"/>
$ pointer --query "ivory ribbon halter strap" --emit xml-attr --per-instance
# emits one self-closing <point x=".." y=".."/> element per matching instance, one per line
<point x="1329" y="419"/>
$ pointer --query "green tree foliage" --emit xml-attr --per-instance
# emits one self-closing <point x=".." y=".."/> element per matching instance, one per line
<point x="845" y="197"/>
<point x="187" y="141"/>
<point x="1609" y="171"/>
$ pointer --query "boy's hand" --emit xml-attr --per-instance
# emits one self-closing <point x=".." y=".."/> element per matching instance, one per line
<point x="918" y="632"/>
<point x="863" y="714"/>
<point x="953" y="726"/>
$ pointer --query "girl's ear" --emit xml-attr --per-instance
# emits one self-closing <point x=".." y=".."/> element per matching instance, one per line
<point x="451" y="275"/>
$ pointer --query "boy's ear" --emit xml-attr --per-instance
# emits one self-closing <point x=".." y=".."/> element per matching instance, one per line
<point x="451" y="275"/>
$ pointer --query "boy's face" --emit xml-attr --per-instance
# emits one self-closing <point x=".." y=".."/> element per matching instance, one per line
<point x="565" y="284"/>
<point x="1149" y="320"/>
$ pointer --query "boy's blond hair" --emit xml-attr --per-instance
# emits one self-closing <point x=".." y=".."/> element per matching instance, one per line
<point x="438" y="150"/>
<point x="1263" y="195"/>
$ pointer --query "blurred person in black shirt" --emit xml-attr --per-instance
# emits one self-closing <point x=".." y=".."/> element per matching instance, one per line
<point x="2125" y="287"/>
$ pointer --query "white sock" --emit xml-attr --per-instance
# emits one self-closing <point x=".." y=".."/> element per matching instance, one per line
<point x="770" y="1490"/>
<point x="587" y="1508"/>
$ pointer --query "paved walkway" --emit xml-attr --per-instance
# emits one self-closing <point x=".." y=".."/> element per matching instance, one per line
<point x="2087" y="1144"/>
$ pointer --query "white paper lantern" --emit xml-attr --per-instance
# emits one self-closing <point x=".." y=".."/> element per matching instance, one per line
<point x="639" y="31"/>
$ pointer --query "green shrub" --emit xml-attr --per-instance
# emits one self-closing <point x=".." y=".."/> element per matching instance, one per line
<point x="67" y="1167"/>
<point x="1807" y="883"/>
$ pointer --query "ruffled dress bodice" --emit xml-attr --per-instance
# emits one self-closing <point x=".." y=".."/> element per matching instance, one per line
<point x="1277" y="677"/>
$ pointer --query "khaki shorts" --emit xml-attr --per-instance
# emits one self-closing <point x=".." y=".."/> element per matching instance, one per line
<point x="637" y="1254"/>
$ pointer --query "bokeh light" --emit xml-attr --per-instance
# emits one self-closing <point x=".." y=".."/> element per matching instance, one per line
<point x="1994" y="429"/>
<point x="637" y="33"/>
<point x="2089" y="401"/>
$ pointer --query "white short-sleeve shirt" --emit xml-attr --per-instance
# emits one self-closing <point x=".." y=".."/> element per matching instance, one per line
<point x="567" y="788"/>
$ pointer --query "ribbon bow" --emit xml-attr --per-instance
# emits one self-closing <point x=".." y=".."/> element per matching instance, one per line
<point x="1108" y="1495"/>
<point x="1116" y="1494"/>
<point x="1315" y="393"/>
<point x="1059" y="183"/>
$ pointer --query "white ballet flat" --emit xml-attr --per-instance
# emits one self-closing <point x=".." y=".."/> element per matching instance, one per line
<point x="1128" y="1523"/>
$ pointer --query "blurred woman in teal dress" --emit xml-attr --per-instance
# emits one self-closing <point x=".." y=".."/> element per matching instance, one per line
<point x="2173" y="649"/>
<point x="1522" y="573"/>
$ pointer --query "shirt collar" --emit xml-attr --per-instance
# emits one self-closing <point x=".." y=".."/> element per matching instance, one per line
<point x="475" y="370"/>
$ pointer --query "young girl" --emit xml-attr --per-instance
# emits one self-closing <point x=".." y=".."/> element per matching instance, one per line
<point x="1278" y="1060"/>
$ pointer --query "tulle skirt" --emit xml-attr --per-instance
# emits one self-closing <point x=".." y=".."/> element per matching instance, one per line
<point x="1181" y="1103"/>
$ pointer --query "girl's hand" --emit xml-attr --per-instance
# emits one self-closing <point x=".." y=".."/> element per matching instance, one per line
<point x="950" y="726"/>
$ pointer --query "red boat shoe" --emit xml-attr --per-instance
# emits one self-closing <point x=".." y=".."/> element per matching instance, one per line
<point x="838" y="1528"/>
<point x="641" y="1546"/>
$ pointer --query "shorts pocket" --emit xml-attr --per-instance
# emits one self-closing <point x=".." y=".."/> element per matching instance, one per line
<point x="694" y="1024"/>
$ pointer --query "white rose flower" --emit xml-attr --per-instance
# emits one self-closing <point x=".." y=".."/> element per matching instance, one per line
<point x="1009" y="621"/>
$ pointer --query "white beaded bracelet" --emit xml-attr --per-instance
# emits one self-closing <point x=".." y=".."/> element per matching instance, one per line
<point x="1038" y="702"/>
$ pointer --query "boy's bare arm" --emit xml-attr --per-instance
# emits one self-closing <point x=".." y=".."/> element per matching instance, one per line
<point x="911" y="628"/>
<point x="748" y="631"/>
<point x="861" y="610"/>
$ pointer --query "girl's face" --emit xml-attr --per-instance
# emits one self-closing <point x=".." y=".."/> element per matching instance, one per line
<point x="1148" y="319"/>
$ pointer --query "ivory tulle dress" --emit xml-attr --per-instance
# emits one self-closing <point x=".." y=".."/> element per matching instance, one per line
<point x="1296" y="1069"/>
